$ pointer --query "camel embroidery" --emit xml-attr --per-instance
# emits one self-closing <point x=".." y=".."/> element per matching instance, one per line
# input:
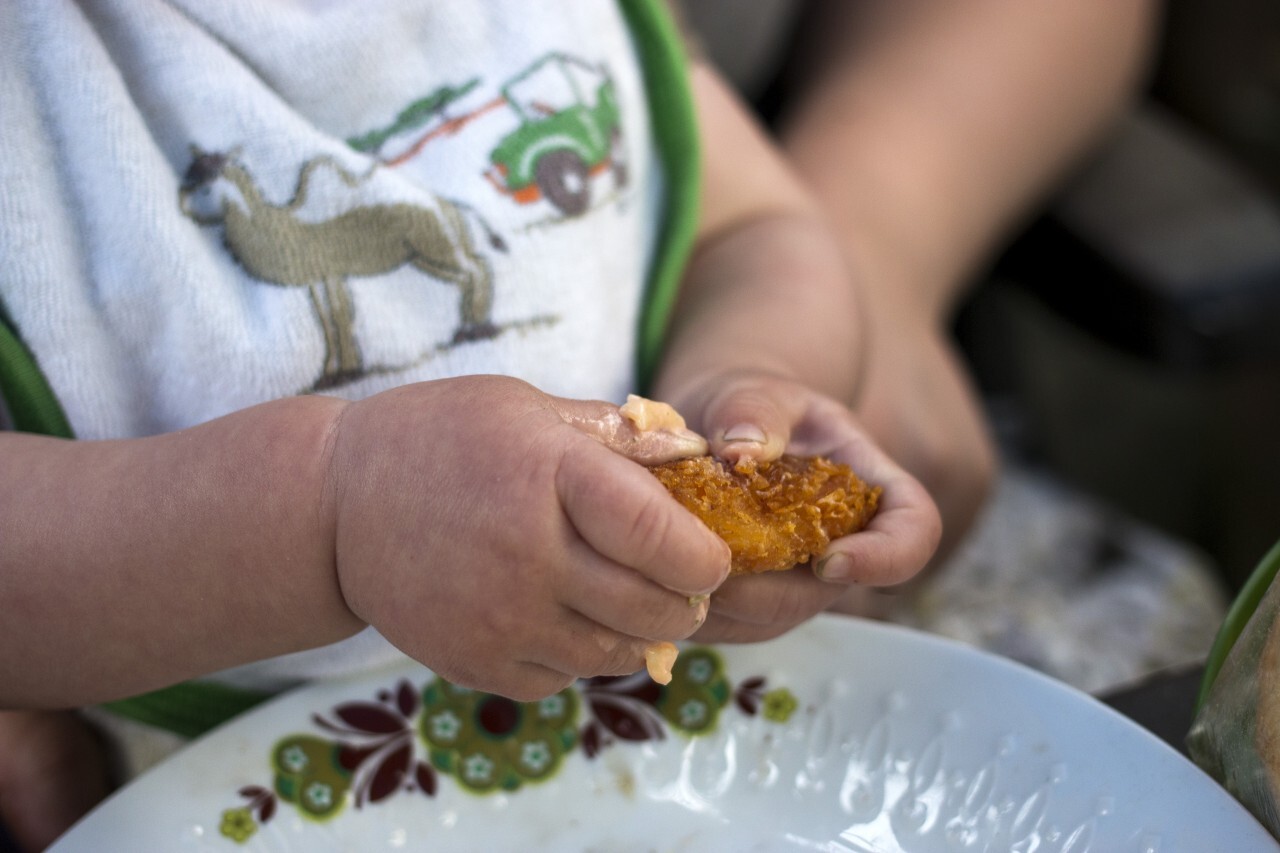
<point x="274" y="246"/>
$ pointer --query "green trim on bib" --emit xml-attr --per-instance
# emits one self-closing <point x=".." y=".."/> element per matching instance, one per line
<point x="666" y="78"/>
<point x="189" y="709"/>
<point x="24" y="390"/>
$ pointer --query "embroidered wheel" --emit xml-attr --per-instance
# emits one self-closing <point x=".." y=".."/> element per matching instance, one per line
<point x="562" y="177"/>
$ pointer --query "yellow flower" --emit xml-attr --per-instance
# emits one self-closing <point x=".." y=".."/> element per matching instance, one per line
<point x="779" y="705"/>
<point x="238" y="825"/>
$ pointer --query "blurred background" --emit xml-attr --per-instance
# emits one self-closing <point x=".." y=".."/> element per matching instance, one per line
<point x="1126" y="343"/>
<point x="1134" y="329"/>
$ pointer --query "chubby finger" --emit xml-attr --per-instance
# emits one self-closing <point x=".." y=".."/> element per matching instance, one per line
<point x="647" y="434"/>
<point x="901" y="537"/>
<point x="770" y="603"/>
<point x="521" y="681"/>
<point x="749" y="417"/>
<point x="538" y="659"/>
<point x="585" y="649"/>
<point x="622" y="512"/>
<point x="614" y="596"/>
<point x="720" y="628"/>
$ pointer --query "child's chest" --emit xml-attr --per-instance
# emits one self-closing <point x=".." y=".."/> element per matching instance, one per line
<point x="342" y="197"/>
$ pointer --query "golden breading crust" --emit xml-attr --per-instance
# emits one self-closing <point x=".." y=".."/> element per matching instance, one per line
<point x="773" y="515"/>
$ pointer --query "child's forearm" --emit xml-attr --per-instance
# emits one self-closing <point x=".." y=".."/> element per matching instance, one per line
<point x="768" y="288"/>
<point x="128" y="565"/>
<point x="772" y="296"/>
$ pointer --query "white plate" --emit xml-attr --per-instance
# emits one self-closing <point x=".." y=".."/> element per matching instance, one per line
<point x="841" y="736"/>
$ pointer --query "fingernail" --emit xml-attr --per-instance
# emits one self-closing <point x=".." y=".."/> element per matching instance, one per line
<point x="834" y="567"/>
<point x="688" y="442"/>
<point x="745" y="432"/>
<point x="695" y="600"/>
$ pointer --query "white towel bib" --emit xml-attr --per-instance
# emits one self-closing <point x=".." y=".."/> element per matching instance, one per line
<point x="209" y="205"/>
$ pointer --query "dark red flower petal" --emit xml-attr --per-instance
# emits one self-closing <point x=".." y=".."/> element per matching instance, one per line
<point x="390" y="773"/>
<point x="628" y="723"/>
<point x="426" y="777"/>
<point x="351" y="757"/>
<point x="407" y="699"/>
<point x="369" y="718"/>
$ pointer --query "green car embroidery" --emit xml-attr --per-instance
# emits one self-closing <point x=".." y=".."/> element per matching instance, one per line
<point x="570" y="129"/>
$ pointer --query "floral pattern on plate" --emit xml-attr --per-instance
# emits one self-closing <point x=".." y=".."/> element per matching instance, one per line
<point x="404" y="739"/>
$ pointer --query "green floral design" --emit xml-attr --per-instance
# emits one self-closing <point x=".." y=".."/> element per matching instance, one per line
<point x="310" y="775"/>
<point x="406" y="736"/>
<point x="699" y="688"/>
<point x="491" y="743"/>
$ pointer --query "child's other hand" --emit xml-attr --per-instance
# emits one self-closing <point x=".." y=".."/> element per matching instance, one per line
<point x="501" y="536"/>
<point x="758" y="415"/>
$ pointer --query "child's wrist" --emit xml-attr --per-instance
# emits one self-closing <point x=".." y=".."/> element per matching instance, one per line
<point x="335" y="470"/>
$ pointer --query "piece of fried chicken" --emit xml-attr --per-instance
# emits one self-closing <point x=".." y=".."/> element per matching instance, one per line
<point x="773" y="515"/>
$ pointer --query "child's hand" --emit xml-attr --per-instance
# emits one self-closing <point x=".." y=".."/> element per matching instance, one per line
<point x="757" y="415"/>
<point x="919" y="403"/>
<point x="500" y="536"/>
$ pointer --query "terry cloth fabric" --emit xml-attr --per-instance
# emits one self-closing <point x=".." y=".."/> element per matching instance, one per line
<point x="220" y="204"/>
<point x="208" y="206"/>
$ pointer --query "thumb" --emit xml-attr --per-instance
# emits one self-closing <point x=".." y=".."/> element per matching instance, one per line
<point x="746" y="420"/>
<point x="644" y="431"/>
